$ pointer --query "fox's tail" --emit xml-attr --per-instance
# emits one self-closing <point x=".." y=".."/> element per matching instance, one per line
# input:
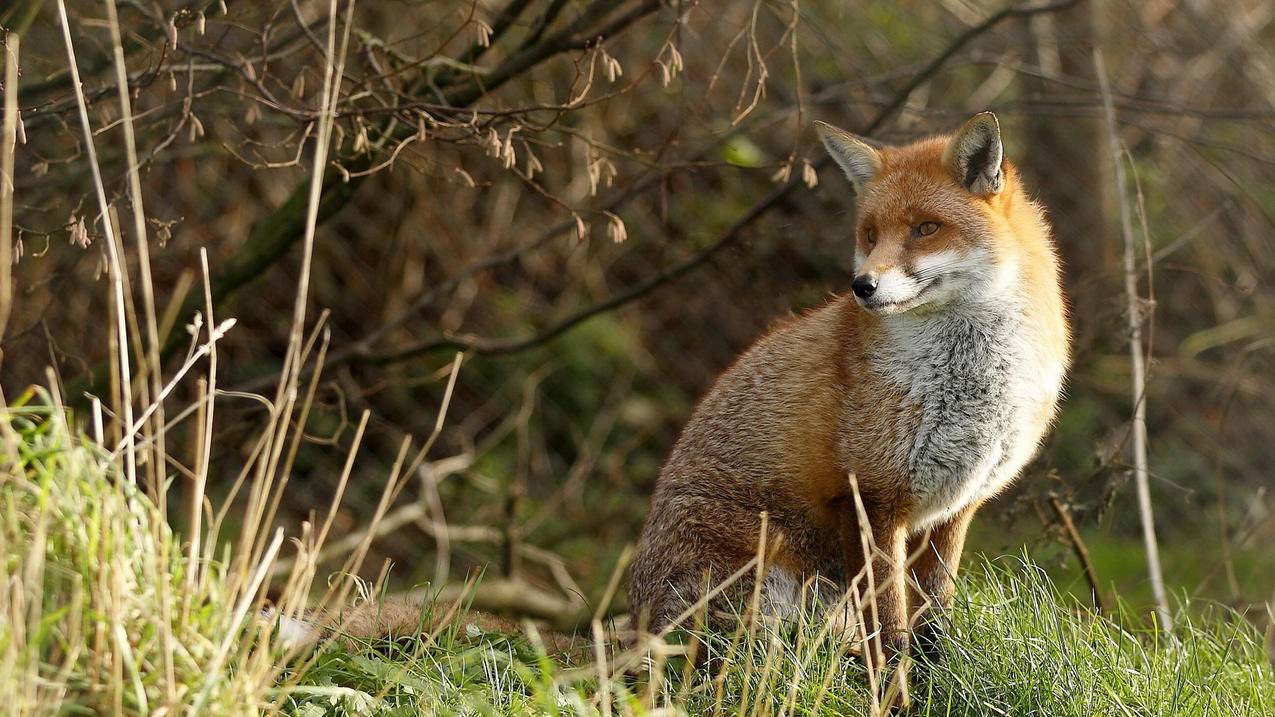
<point x="397" y="618"/>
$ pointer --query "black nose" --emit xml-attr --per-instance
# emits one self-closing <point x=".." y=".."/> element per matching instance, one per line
<point x="864" y="285"/>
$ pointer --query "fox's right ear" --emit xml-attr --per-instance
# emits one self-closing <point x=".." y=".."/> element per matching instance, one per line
<point x="856" y="158"/>
<point x="975" y="155"/>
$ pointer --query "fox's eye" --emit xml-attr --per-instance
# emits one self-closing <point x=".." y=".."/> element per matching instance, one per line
<point x="924" y="229"/>
<point x="869" y="237"/>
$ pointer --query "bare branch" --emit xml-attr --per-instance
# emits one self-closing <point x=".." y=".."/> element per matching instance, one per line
<point x="772" y="199"/>
<point x="271" y="239"/>
<point x="1139" y="381"/>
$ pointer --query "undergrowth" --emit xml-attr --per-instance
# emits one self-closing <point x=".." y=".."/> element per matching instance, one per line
<point x="103" y="614"/>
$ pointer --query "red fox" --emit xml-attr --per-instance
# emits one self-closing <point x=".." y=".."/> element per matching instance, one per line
<point x="932" y="382"/>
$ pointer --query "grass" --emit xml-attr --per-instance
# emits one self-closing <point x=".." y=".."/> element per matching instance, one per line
<point x="103" y="611"/>
<point x="1015" y="646"/>
<point x="1192" y="569"/>
<point x="103" y="614"/>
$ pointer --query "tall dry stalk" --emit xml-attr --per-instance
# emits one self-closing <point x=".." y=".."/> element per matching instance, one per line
<point x="1139" y="381"/>
<point x="1270" y="631"/>
<point x="7" y="149"/>
<point x="114" y="260"/>
<point x="151" y="371"/>
<point x="149" y="368"/>
<point x="253" y="544"/>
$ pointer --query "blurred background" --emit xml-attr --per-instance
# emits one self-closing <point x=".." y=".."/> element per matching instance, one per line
<point x="599" y="203"/>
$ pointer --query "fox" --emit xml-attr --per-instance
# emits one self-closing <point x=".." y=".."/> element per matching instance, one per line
<point x="895" y="410"/>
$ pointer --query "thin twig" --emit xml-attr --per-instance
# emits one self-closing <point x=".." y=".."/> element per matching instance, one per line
<point x="1135" y="310"/>
<point x="1082" y="552"/>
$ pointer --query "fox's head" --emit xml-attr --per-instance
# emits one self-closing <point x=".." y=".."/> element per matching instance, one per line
<point x="933" y="219"/>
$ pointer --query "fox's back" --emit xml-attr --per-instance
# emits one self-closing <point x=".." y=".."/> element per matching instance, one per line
<point x="771" y="417"/>
<point x="758" y="440"/>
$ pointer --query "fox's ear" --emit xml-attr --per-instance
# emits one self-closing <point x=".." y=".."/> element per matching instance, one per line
<point x="856" y="157"/>
<point x="974" y="155"/>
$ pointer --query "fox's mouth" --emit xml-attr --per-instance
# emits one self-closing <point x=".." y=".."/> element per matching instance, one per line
<point x="898" y="307"/>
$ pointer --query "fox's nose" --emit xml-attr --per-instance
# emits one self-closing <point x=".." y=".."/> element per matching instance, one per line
<point x="864" y="285"/>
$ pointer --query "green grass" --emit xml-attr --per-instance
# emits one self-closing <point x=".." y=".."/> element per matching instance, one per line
<point x="1193" y="568"/>
<point x="102" y="614"/>
<point x="98" y="613"/>
<point x="1015" y="646"/>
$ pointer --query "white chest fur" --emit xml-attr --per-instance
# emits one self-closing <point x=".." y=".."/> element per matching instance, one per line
<point x="978" y="379"/>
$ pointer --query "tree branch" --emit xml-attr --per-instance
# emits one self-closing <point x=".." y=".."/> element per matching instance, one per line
<point x="497" y="346"/>
<point x="271" y="239"/>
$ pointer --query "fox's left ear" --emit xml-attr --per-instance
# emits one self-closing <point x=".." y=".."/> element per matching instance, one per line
<point x="974" y="155"/>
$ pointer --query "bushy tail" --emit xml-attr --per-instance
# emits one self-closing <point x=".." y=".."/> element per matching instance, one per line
<point x="414" y="618"/>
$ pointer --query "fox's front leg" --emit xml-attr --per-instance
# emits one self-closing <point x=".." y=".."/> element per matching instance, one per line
<point x="931" y="577"/>
<point x="884" y="605"/>
<point x="891" y="589"/>
<point x="880" y="592"/>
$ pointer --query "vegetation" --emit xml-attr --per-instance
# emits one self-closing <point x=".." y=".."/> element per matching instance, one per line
<point x="252" y="253"/>
<point x="106" y="614"/>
